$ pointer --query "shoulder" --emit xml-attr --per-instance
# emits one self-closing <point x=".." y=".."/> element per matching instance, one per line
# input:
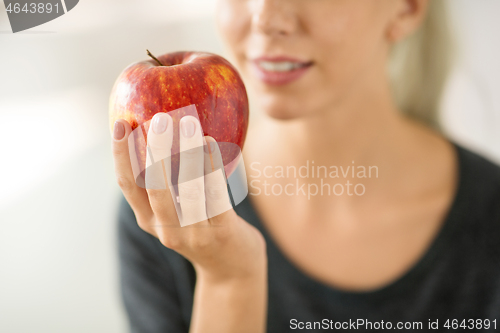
<point x="479" y="181"/>
<point x="477" y="204"/>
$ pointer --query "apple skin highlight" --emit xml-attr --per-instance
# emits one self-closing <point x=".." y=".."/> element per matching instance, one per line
<point x="205" y="80"/>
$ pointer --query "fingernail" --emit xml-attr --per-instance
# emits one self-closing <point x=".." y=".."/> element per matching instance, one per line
<point x="188" y="127"/>
<point x="119" y="131"/>
<point x="160" y="123"/>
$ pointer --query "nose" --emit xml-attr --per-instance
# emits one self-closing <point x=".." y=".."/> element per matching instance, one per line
<point x="273" y="17"/>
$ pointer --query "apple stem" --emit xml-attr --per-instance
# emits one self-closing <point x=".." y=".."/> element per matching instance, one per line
<point x="152" y="56"/>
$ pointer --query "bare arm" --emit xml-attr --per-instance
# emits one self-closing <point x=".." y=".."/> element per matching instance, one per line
<point x="230" y="306"/>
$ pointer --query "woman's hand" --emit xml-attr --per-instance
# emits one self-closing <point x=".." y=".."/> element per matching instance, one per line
<point x="228" y="254"/>
<point x="222" y="246"/>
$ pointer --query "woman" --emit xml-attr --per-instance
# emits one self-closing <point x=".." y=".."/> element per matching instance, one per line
<point x="414" y="243"/>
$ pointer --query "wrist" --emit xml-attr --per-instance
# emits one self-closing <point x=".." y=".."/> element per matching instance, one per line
<point x="255" y="273"/>
<point x="230" y="303"/>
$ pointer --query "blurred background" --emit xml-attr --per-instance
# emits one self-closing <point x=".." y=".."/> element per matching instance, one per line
<point x="58" y="197"/>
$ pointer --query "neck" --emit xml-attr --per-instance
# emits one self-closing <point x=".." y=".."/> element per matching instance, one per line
<point x="355" y="131"/>
<point x="368" y="131"/>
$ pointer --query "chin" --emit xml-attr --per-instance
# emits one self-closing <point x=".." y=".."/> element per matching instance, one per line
<point x="283" y="108"/>
<point x="280" y="114"/>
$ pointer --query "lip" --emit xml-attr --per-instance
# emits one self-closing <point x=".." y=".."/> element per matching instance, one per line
<point x="280" y="78"/>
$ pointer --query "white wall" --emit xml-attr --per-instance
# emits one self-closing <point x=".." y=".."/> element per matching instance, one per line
<point x="472" y="105"/>
<point x="58" y="196"/>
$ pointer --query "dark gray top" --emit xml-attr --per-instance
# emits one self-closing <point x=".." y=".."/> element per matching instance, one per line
<point x="457" y="278"/>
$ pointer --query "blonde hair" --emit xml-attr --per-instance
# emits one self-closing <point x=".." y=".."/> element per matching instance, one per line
<point x="420" y="64"/>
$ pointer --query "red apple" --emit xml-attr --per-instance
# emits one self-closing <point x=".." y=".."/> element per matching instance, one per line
<point x="180" y="79"/>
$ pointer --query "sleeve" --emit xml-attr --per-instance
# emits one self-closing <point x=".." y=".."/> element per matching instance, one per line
<point x="147" y="283"/>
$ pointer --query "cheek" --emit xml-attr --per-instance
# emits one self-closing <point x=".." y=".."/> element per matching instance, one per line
<point x="233" y="23"/>
<point x="345" y="42"/>
<point x="351" y="42"/>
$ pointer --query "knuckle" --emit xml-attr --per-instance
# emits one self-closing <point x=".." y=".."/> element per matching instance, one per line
<point x="222" y="236"/>
<point x="121" y="150"/>
<point x="216" y="191"/>
<point x="171" y="242"/>
<point x="126" y="184"/>
<point x="191" y="192"/>
<point x="156" y="195"/>
<point x="190" y="154"/>
<point x="144" y="225"/>
<point x="199" y="244"/>
<point x="159" y="150"/>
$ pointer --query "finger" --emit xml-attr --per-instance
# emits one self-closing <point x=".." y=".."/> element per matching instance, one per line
<point x="158" y="170"/>
<point x="191" y="183"/>
<point x="216" y="193"/>
<point x="135" y="195"/>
